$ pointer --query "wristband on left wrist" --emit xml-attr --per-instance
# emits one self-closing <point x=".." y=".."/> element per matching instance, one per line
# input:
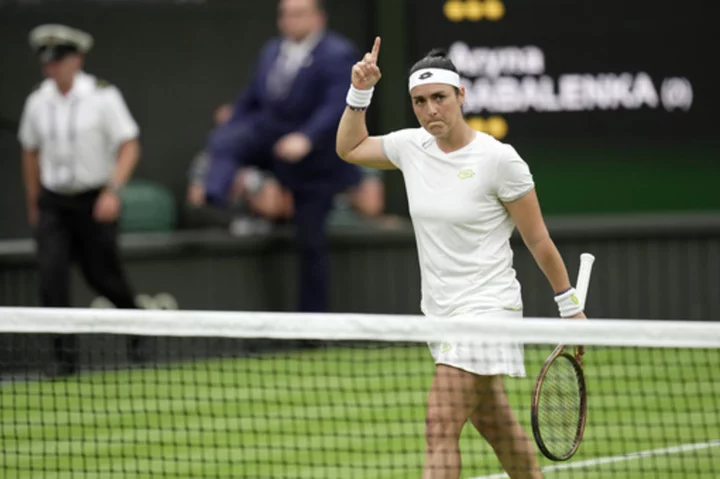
<point x="568" y="303"/>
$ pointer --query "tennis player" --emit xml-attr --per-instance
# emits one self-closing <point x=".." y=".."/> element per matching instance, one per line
<point x="466" y="192"/>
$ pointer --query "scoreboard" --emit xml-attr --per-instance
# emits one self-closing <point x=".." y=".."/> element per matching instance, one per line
<point x="608" y="69"/>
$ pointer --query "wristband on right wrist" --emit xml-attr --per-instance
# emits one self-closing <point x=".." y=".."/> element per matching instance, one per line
<point x="359" y="99"/>
<point x="568" y="303"/>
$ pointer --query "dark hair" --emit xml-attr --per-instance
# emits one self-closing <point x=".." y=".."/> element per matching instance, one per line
<point x="437" y="58"/>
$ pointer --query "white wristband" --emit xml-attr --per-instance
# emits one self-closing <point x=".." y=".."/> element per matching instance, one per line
<point x="359" y="98"/>
<point x="568" y="303"/>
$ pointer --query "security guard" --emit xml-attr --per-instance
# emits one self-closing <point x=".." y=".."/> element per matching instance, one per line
<point x="80" y="146"/>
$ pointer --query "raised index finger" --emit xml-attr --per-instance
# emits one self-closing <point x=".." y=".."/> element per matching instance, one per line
<point x="375" y="49"/>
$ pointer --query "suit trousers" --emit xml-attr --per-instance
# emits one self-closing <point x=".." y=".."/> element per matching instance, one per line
<point x="67" y="232"/>
<point x="311" y="213"/>
<point x="235" y="145"/>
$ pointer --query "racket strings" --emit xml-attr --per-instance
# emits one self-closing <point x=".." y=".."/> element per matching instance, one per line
<point x="559" y="406"/>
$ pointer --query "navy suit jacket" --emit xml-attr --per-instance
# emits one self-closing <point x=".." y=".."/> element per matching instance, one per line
<point x="313" y="106"/>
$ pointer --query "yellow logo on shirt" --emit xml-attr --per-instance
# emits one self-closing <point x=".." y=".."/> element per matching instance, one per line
<point x="465" y="174"/>
<point x="446" y="347"/>
<point x="574" y="299"/>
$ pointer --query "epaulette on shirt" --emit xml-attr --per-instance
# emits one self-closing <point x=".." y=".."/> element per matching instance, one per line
<point x="102" y="83"/>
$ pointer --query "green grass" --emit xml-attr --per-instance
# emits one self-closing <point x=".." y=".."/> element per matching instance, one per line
<point x="341" y="413"/>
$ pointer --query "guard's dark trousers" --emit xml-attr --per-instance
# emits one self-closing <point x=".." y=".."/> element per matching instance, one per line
<point x="67" y="233"/>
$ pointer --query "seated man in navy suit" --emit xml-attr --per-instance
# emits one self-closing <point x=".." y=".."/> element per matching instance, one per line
<point x="285" y="122"/>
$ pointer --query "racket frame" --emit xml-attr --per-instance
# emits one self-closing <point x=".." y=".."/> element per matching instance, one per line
<point x="576" y="362"/>
<point x="583" y="282"/>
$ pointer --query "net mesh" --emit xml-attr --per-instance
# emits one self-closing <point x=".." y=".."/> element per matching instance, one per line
<point x="251" y="395"/>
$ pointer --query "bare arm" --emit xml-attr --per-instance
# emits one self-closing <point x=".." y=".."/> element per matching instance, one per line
<point x="353" y="143"/>
<point x="127" y="158"/>
<point x="31" y="176"/>
<point x="107" y="207"/>
<point x="526" y="214"/>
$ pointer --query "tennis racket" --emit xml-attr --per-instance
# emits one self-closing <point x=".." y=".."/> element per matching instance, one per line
<point x="559" y="400"/>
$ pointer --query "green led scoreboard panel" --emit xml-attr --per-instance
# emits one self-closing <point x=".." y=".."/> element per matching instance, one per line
<point x="612" y="69"/>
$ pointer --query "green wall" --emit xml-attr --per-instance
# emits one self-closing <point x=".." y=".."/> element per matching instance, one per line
<point x="175" y="63"/>
<point x="625" y="179"/>
<point x="581" y="176"/>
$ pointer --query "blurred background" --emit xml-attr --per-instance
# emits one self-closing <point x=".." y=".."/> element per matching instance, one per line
<point x="611" y="103"/>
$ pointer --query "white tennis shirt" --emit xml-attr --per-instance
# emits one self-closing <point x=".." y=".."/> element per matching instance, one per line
<point x="77" y="134"/>
<point x="461" y="227"/>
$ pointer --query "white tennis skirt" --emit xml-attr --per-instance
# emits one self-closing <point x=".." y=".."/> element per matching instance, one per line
<point x="484" y="358"/>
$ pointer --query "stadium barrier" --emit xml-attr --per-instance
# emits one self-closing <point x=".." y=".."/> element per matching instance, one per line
<point x="659" y="267"/>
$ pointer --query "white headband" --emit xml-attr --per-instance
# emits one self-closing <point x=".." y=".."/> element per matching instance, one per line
<point x="434" y="75"/>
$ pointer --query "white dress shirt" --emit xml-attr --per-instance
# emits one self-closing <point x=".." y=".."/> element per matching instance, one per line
<point x="295" y="54"/>
<point x="77" y="134"/>
<point x="292" y="57"/>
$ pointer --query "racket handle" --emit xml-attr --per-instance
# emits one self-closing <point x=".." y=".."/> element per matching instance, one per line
<point x="583" y="281"/>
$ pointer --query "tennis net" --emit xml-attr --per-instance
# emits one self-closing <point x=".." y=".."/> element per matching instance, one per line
<point x="264" y="395"/>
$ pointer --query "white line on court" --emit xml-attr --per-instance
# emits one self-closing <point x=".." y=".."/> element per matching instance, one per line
<point x="621" y="458"/>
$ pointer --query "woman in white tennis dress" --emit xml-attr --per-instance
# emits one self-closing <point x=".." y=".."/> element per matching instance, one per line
<point x="466" y="193"/>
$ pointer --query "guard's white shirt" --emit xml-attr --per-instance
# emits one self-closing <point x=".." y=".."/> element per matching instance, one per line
<point x="461" y="227"/>
<point x="77" y="134"/>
